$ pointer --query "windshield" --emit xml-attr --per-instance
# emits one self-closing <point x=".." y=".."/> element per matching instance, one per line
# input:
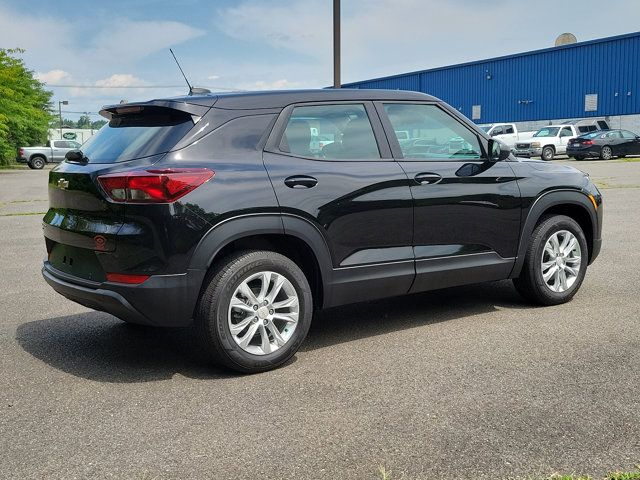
<point x="547" y="132"/>
<point x="126" y="137"/>
<point x="591" y="135"/>
<point x="486" y="128"/>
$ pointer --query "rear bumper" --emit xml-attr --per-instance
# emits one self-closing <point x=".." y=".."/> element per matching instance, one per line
<point x="163" y="300"/>
<point x="21" y="160"/>
<point x="582" y="152"/>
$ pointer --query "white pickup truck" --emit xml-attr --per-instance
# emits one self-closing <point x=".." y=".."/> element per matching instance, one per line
<point x="553" y="140"/>
<point x="507" y="133"/>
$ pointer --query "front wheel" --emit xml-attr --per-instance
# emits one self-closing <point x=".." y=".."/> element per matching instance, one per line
<point x="255" y="311"/>
<point x="548" y="153"/>
<point x="555" y="262"/>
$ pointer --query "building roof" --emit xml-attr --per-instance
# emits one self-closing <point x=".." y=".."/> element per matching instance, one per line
<point x="504" y="57"/>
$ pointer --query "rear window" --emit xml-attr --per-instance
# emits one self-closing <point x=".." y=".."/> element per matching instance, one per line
<point x="126" y="137"/>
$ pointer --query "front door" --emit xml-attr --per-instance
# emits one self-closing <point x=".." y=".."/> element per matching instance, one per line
<point x="467" y="209"/>
<point x="331" y="165"/>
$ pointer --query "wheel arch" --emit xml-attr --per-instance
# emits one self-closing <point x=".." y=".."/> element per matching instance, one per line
<point x="293" y="237"/>
<point x="572" y="203"/>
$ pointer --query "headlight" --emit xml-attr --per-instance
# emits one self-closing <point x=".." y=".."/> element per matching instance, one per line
<point x="535" y="144"/>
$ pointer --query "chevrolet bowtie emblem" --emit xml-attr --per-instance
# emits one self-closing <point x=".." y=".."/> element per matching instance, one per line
<point x="63" y="184"/>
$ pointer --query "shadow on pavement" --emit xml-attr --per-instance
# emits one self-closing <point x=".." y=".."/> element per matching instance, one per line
<point x="352" y="322"/>
<point x="96" y="346"/>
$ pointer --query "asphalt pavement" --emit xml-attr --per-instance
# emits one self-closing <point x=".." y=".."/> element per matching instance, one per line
<point x="466" y="383"/>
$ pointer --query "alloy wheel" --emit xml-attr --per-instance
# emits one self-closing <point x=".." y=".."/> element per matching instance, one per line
<point x="561" y="259"/>
<point x="263" y="313"/>
<point x="606" y="153"/>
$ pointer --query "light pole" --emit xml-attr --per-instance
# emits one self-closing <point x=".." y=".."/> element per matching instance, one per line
<point x="60" y="103"/>
<point x="336" y="43"/>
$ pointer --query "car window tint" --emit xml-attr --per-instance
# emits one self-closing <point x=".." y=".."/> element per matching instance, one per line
<point x="433" y="133"/>
<point x="508" y="130"/>
<point x="60" y="144"/>
<point x="566" y="132"/>
<point x="628" y="135"/>
<point x="333" y="132"/>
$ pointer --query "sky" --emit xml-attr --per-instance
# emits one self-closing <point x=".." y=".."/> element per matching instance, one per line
<point x="120" y="48"/>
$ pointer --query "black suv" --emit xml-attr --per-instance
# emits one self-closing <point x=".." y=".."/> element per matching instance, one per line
<point x="244" y="212"/>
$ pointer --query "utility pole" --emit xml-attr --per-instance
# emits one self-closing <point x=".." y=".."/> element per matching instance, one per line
<point x="60" y="103"/>
<point x="336" y="43"/>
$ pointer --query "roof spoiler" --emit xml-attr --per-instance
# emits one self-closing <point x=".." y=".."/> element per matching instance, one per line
<point x="123" y="108"/>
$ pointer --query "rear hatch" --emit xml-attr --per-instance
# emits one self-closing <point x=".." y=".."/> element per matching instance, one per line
<point x="82" y="223"/>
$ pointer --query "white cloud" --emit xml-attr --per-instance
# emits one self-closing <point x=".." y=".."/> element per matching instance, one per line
<point x="273" y="85"/>
<point x="213" y="77"/>
<point x="53" y="77"/>
<point x="121" y="80"/>
<point x="129" y="40"/>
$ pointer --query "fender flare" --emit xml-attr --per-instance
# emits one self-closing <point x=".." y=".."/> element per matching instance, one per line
<point x="541" y="204"/>
<point x="248" y="225"/>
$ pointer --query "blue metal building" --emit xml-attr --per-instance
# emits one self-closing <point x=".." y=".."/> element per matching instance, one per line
<point x="594" y="78"/>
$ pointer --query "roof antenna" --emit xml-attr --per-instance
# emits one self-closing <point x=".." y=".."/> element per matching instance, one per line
<point x="192" y="90"/>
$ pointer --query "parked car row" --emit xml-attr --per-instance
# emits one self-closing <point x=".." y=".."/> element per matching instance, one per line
<point x="579" y="139"/>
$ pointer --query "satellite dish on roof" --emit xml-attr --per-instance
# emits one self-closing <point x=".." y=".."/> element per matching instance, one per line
<point x="565" y="39"/>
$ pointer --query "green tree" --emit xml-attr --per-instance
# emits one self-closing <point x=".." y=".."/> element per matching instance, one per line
<point x="83" y="122"/>
<point x="25" y="106"/>
<point x="98" y="124"/>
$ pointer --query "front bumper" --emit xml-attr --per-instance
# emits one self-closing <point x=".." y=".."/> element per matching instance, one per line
<point x="528" y="152"/>
<point x="163" y="300"/>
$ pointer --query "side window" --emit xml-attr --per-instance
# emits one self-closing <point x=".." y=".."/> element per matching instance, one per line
<point x="60" y="144"/>
<point x="73" y="144"/>
<point x="628" y="135"/>
<point x="333" y="132"/>
<point x="566" y="132"/>
<point x="433" y="133"/>
<point x="497" y="131"/>
<point x="509" y="129"/>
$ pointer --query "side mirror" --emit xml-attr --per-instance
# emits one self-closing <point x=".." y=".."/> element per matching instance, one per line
<point x="498" y="151"/>
<point x="74" y="156"/>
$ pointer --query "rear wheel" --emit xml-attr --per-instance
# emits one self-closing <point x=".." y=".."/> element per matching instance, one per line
<point x="555" y="263"/>
<point x="606" y="153"/>
<point x="548" y="153"/>
<point x="579" y="157"/>
<point x="255" y="311"/>
<point x="36" y="163"/>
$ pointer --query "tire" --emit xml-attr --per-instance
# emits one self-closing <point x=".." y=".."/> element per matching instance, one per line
<point x="37" y="163"/>
<point x="548" y="153"/>
<point x="606" y="153"/>
<point x="579" y="157"/>
<point x="215" y="314"/>
<point x="531" y="284"/>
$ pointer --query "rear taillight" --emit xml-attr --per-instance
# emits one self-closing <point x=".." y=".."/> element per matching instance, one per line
<point x="587" y="142"/>
<point x="21" y="152"/>
<point x="153" y="186"/>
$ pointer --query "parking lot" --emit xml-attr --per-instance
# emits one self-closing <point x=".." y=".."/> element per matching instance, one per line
<point x="463" y="383"/>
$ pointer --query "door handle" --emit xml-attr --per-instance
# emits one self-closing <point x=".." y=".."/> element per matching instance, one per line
<point x="427" y="178"/>
<point x="300" y="181"/>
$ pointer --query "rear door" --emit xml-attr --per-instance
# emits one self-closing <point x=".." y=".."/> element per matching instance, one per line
<point x="59" y="149"/>
<point x="351" y="190"/>
<point x="467" y="209"/>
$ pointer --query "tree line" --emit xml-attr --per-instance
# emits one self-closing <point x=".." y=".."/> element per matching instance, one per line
<point x="83" y="122"/>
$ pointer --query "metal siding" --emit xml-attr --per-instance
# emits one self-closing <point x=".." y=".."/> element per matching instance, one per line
<point x="555" y="80"/>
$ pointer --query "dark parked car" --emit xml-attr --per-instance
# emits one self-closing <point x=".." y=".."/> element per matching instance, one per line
<point x="216" y="209"/>
<point x="604" y="144"/>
